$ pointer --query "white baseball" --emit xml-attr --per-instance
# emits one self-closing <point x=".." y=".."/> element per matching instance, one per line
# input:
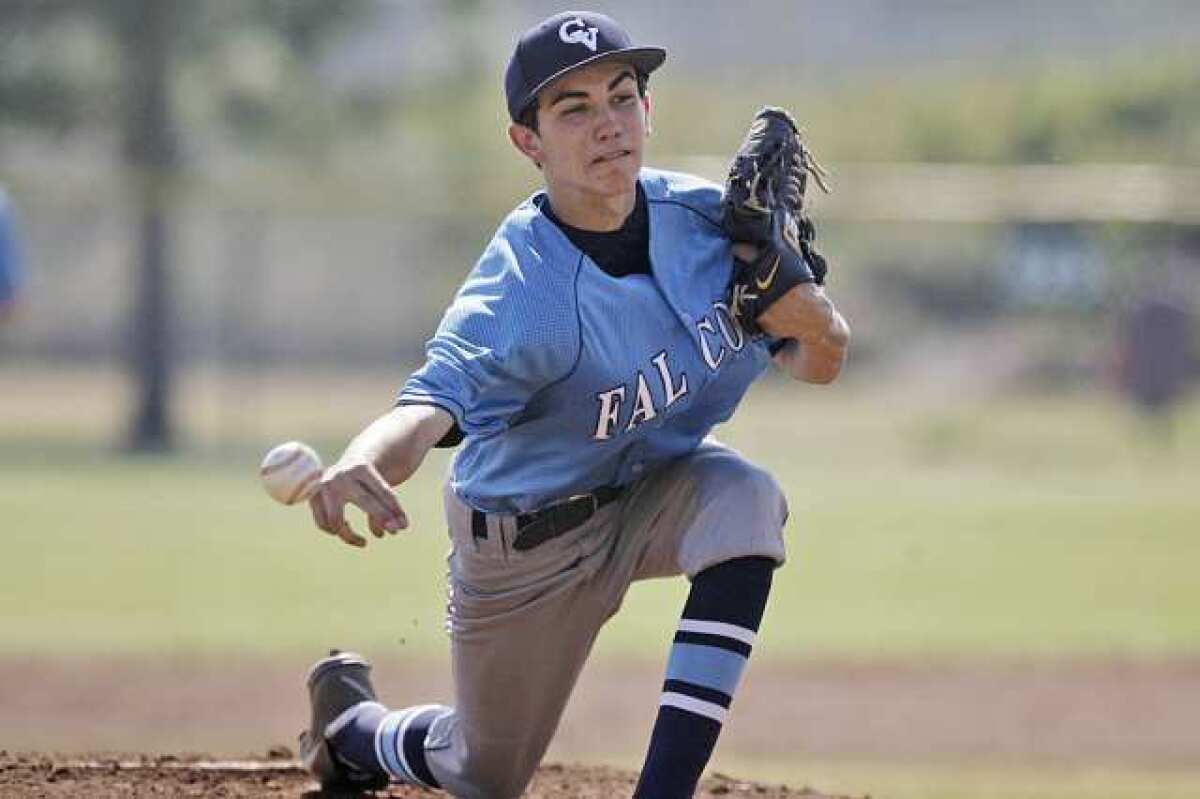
<point x="290" y="472"/>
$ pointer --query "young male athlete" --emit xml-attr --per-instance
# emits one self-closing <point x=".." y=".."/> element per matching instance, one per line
<point x="582" y="364"/>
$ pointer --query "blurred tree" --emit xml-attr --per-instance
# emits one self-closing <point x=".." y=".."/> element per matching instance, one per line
<point x="71" y="64"/>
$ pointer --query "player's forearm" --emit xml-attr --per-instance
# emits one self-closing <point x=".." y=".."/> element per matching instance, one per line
<point x="397" y="442"/>
<point x="805" y="313"/>
<point x="818" y="361"/>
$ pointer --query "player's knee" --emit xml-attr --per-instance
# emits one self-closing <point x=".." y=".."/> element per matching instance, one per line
<point x="744" y="511"/>
<point x="755" y="489"/>
<point x="770" y="493"/>
<point x="495" y="778"/>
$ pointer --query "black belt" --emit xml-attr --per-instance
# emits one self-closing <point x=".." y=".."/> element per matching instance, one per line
<point x="551" y="522"/>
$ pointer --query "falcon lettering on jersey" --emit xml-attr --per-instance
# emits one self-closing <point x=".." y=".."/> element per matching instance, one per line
<point x="724" y="328"/>
<point x="644" y="409"/>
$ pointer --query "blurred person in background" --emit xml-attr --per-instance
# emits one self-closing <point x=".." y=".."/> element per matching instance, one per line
<point x="12" y="274"/>
<point x="1157" y="359"/>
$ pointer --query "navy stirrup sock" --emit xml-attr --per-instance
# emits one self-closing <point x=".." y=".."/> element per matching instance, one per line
<point x="711" y="647"/>
<point x="380" y="741"/>
<point x="353" y="737"/>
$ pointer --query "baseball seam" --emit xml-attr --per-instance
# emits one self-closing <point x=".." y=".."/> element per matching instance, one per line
<point x="268" y="470"/>
<point x="305" y="484"/>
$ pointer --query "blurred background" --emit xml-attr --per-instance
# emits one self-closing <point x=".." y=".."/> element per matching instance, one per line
<point x="234" y="222"/>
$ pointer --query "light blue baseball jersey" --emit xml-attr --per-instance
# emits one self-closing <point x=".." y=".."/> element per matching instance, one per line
<point x="564" y="378"/>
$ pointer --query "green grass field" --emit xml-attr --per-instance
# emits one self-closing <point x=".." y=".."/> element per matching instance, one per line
<point x="1004" y="527"/>
<point x="1011" y="528"/>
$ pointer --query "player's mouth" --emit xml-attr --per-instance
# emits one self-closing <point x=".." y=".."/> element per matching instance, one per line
<point x="615" y="155"/>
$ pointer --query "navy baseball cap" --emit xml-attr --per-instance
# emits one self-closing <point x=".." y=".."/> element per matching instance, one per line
<point x="565" y="42"/>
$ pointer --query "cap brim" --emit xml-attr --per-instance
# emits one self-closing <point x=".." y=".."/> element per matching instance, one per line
<point x="644" y="59"/>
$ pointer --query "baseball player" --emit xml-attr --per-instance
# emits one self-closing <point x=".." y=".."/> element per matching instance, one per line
<point x="582" y="365"/>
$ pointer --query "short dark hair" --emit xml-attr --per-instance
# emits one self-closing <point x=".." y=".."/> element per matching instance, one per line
<point x="529" y="117"/>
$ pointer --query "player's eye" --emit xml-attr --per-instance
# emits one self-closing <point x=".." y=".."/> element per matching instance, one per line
<point x="574" y="110"/>
<point x="624" y="98"/>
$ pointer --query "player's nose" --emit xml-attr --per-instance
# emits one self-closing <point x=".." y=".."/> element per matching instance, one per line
<point x="607" y="125"/>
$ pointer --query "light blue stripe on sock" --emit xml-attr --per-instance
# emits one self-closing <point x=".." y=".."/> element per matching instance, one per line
<point x="709" y="666"/>
<point x="388" y="733"/>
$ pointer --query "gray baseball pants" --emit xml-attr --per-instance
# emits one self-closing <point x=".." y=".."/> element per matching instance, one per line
<point x="522" y="623"/>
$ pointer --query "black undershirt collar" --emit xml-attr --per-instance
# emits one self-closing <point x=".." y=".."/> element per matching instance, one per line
<point x="620" y="252"/>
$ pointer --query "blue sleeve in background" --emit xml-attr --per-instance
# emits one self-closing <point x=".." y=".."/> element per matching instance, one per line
<point x="11" y="271"/>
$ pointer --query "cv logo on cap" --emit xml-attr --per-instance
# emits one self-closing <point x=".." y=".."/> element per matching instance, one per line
<point x="573" y="31"/>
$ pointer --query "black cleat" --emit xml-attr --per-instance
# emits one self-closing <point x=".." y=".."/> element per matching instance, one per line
<point x="336" y="684"/>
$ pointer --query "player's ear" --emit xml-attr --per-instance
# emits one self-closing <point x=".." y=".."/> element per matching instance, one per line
<point x="527" y="141"/>
<point x="648" y="106"/>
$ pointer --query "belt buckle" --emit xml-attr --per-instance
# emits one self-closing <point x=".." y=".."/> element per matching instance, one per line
<point x="562" y="514"/>
<point x="553" y="521"/>
<point x="595" y="502"/>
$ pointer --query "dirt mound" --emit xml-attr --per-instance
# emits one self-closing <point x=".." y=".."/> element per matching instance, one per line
<point x="144" y="776"/>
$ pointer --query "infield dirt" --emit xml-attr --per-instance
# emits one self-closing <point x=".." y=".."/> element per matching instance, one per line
<point x="40" y="776"/>
<point x="1137" y="713"/>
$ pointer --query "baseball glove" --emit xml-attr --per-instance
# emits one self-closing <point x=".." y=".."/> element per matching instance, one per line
<point x="764" y="206"/>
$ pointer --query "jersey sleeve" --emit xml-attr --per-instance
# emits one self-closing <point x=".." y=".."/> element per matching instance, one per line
<point x="10" y="255"/>
<point x="511" y="330"/>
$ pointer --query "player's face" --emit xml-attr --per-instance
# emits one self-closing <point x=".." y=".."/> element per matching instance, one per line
<point x="592" y="128"/>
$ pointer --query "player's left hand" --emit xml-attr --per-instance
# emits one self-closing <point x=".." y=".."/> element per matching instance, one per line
<point x="763" y="206"/>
